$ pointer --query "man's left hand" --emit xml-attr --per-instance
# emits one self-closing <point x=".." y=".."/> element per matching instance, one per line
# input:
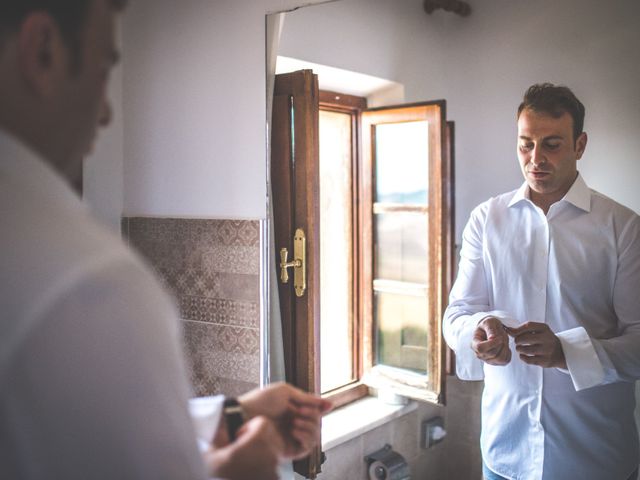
<point x="538" y="345"/>
<point x="297" y="414"/>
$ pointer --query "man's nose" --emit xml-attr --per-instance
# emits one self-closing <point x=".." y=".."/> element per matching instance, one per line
<point x="537" y="156"/>
<point x="105" y="114"/>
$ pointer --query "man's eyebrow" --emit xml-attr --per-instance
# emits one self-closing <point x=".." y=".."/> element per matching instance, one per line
<point x="550" y="137"/>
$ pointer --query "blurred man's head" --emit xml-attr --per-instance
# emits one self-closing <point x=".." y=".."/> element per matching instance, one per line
<point x="55" y="59"/>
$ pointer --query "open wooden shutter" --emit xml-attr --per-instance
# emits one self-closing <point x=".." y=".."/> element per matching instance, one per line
<point x="296" y="200"/>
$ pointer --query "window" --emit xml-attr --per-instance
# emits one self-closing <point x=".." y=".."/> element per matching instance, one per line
<point x="385" y="235"/>
<point x="380" y="191"/>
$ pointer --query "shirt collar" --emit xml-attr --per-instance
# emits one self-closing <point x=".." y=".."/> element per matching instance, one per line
<point x="29" y="172"/>
<point x="521" y="194"/>
<point x="578" y="195"/>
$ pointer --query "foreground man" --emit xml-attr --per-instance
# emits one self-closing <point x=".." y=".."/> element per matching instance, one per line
<point x="546" y="308"/>
<point x="92" y="384"/>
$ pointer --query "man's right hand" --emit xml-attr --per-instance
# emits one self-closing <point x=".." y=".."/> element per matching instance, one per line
<point x="491" y="342"/>
<point x="256" y="453"/>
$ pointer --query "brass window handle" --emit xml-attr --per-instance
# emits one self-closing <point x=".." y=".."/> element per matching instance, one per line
<point x="298" y="263"/>
<point x="284" y="253"/>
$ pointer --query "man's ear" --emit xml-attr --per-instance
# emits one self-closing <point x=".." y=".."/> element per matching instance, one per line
<point x="581" y="144"/>
<point x="42" y="53"/>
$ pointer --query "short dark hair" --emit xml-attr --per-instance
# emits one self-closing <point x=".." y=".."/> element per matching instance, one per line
<point x="554" y="100"/>
<point x="69" y="14"/>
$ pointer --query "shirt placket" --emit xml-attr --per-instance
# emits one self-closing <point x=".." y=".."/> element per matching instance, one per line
<point x="541" y="283"/>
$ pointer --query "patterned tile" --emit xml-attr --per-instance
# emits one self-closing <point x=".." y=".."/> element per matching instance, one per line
<point x="225" y="386"/>
<point x="232" y="259"/>
<point x="214" y="310"/>
<point x="239" y="287"/>
<point x="212" y="267"/>
<point x="219" y="356"/>
<point x="237" y="232"/>
<point x="208" y="338"/>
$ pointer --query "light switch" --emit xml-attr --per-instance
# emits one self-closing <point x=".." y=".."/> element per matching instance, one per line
<point x="432" y="432"/>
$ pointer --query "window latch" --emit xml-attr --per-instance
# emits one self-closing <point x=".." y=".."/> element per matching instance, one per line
<point x="298" y="263"/>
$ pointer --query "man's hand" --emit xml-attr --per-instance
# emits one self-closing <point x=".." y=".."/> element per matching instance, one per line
<point x="297" y="415"/>
<point x="255" y="453"/>
<point x="538" y="345"/>
<point x="491" y="343"/>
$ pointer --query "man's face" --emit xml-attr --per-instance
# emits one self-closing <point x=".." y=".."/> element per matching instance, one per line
<point x="84" y="97"/>
<point x="548" y="154"/>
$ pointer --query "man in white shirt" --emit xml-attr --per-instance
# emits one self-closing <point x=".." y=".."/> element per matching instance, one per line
<point x="546" y="309"/>
<point x="92" y="381"/>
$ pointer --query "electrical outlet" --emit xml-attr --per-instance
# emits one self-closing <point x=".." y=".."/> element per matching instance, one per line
<point x="432" y="431"/>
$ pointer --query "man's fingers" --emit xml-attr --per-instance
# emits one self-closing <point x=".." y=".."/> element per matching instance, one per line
<point x="300" y="398"/>
<point x="490" y="346"/>
<point x="531" y="339"/>
<point x="306" y="425"/>
<point x="500" y="355"/>
<point x="307" y="412"/>
<point x="502" y="359"/>
<point x="527" y="328"/>
<point x="531" y="349"/>
<point x="538" y="360"/>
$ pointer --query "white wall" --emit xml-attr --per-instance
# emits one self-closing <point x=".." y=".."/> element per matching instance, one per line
<point x="189" y="133"/>
<point x="483" y="63"/>
<point x="102" y="172"/>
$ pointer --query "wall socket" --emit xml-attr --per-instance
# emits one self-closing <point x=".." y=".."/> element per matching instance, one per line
<point x="432" y="431"/>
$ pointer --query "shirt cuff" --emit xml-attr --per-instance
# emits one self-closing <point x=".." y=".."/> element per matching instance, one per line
<point x="468" y="366"/>
<point x="583" y="363"/>
<point x="205" y="414"/>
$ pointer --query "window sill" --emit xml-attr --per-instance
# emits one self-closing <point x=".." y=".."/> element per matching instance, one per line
<point x="354" y="419"/>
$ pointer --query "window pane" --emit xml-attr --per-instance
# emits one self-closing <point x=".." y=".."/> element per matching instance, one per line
<point x="402" y="162"/>
<point x="401" y="247"/>
<point x="336" y="257"/>
<point x="401" y="330"/>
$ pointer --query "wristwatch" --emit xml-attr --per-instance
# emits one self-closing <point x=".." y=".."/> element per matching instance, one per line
<point x="233" y="416"/>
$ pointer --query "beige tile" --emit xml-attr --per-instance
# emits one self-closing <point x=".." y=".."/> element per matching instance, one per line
<point x="431" y="465"/>
<point x="377" y="438"/>
<point x="462" y="420"/>
<point x="344" y="462"/>
<point x="462" y="463"/>
<point x="405" y="435"/>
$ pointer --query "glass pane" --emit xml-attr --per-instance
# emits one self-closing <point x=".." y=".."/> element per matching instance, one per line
<point x="402" y="163"/>
<point x="401" y="330"/>
<point x="401" y="247"/>
<point x="336" y="258"/>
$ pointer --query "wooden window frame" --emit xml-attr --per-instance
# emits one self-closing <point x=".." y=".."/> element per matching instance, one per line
<point x="362" y="188"/>
<point x="395" y="379"/>
<point x="353" y="106"/>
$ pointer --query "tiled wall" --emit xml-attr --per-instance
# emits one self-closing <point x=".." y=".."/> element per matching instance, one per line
<point x="457" y="457"/>
<point x="212" y="267"/>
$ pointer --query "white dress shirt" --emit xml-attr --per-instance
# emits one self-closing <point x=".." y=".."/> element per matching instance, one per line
<point x="92" y="382"/>
<point x="578" y="270"/>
